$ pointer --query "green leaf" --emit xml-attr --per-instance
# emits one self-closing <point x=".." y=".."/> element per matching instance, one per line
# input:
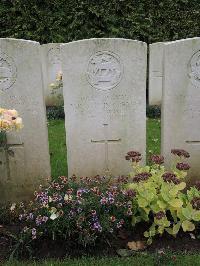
<point x="181" y="186"/>
<point x="176" y="203"/>
<point x="160" y="229"/>
<point x="196" y="216"/>
<point x="188" y="226"/>
<point x="169" y="231"/>
<point x="155" y="208"/>
<point x="165" y="193"/>
<point x="149" y="241"/>
<point x="142" y="202"/>
<point x="162" y="204"/>
<point x="174" y="191"/>
<point x="176" y="228"/>
<point x="187" y="212"/>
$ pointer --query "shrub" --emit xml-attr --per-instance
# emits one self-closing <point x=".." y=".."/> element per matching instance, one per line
<point x="55" y="112"/>
<point x="153" y="111"/>
<point x="159" y="198"/>
<point x="82" y="210"/>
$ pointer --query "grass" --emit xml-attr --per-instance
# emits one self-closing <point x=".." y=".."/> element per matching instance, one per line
<point x="138" y="260"/>
<point x="57" y="147"/>
<point x="57" y="144"/>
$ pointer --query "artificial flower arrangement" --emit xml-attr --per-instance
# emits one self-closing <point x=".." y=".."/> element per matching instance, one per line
<point x="9" y="121"/>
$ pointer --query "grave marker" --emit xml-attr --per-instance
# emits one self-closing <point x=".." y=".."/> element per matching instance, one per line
<point x="155" y="73"/>
<point x="181" y="100"/>
<point x="51" y="66"/>
<point x="104" y="94"/>
<point x="24" y="162"/>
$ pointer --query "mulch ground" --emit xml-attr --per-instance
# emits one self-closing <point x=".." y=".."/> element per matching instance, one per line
<point x="47" y="248"/>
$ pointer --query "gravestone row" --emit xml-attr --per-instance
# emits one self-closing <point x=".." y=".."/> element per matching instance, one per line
<point x="104" y="85"/>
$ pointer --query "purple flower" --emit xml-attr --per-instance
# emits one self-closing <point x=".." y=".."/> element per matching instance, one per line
<point x="45" y="219"/>
<point x="180" y="153"/>
<point x="38" y="220"/>
<point x="183" y="166"/>
<point x="97" y="226"/>
<point x="157" y="159"/>
<point x="141" y="177"/>
<point x="42" y="197"/>
<point x="169" y="177"/>
<point x="111" y="200"/>
<point x="103" y="201"/>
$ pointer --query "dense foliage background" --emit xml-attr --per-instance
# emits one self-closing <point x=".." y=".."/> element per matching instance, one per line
<point x="66" y="20"/>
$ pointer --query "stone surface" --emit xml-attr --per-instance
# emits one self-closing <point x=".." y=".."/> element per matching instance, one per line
<point x="155" y="73"/>
<point x="104" y="93"/>
<point x="181" y="100"/>
<point x="51" y="66"/>
<point x="26" y="161"/>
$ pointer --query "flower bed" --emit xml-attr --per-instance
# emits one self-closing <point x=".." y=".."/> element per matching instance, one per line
<point x="113" y="213"/>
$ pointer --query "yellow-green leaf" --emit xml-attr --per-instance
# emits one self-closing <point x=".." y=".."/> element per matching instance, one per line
<point x="176" y="228"/>
<point x="162" y="204"/>
<point x="187" y="212"/>
<point x="174" y="191"/>
<point x="176" y="203"/>
<point x="181" y="186"/>
<point x="196" y="216"/>
<point x="142" y="202"/>
<point x="188" y="226"/>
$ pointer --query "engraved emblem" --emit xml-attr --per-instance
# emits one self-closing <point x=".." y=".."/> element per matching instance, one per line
<point x="104" y="70"/>
<point x="54" y="55"/>
<point x="8" y="72"/>
<point x="194" y="69"/>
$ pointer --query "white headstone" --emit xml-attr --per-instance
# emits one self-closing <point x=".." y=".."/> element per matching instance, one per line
<point x="25" y="164"/>
<point x="181" y="100"/>
<point x="104" y="93"/>
<point x="155" y="73"/>
<point x="51" y="66"/>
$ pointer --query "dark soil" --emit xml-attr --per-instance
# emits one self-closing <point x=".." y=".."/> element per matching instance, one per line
<point x="47" y="248"/>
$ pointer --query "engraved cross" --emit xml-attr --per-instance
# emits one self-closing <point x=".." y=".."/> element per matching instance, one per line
<point x="106" y="141"/>
<point x="193" y="141"/>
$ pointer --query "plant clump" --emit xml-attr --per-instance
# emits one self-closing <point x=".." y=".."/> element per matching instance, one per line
<point x="160" y="198"/>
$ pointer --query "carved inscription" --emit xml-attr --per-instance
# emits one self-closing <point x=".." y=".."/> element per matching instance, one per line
<point x="104" y="70"/>
<point x="194" y="69"/>
<point x="54" y="56"/>
<point x="118" y="106"/>
<point x="8" y="72"/>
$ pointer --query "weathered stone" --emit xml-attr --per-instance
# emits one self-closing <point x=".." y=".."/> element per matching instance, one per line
<point x="51" y="66"/>
<point x="155" y="73"/>
<point x="26" y="157"/>
<point x="104" y="93"/>
<point x="181" y="100"/>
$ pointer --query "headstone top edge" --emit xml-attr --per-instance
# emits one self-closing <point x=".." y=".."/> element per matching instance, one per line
<point x="19" y="40"/>
<point x="188" y="40"/>
<point x="103" y="39"/>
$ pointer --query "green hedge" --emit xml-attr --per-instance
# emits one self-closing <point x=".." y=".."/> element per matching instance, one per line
<point x="66" y="20"/>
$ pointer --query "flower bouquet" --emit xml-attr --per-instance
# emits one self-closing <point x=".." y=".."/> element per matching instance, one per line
<point x="9" y="121"/>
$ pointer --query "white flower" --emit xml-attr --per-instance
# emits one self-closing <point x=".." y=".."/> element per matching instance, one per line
<point x="13" y="207"/>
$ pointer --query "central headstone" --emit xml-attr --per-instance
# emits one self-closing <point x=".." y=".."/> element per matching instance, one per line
<point x="105" y="98"/>
<point x="24" y="162"/>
